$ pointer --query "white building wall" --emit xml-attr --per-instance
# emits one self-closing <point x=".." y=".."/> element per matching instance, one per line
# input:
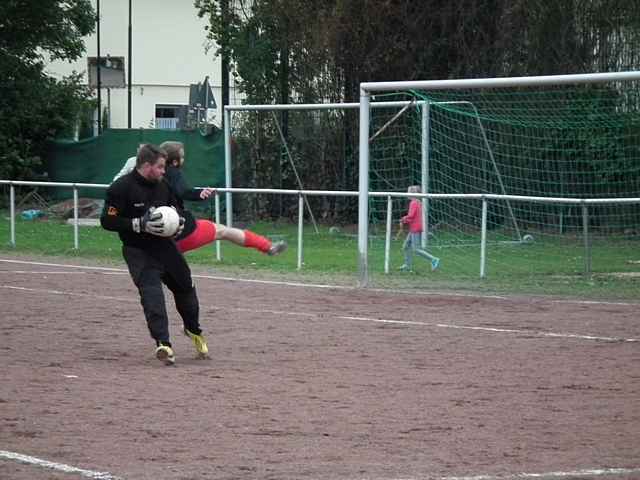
<point x="168" y="53"/>
<point x="144" y="99"/>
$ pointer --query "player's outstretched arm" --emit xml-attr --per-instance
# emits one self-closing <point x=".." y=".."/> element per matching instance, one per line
<point x="206" y="193"/>
<point x="178" y="183"/>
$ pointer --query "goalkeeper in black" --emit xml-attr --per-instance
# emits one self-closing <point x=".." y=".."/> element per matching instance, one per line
<point x="151" y="258"/>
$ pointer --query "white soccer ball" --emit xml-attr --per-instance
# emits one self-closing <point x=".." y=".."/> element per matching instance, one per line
<point x="527" y="238"/>
<point x="170" y="219"/>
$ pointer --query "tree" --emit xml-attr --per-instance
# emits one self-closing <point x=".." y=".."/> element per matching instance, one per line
<point x="275" y="57"/>
<point x="309" y="51"/>
<point x="35" y="107"/>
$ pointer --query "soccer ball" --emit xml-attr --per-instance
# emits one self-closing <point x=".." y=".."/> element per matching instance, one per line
<point x="527" y="238"/>
<point x="170" y="219"/>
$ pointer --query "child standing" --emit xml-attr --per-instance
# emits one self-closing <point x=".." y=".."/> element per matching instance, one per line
<point x="413" y="219"/>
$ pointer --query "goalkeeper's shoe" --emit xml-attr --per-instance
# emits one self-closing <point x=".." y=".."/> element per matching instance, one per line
<point x="164" y="353"/>
<point x="277" y="248"/>
<point x="199" y="342"/>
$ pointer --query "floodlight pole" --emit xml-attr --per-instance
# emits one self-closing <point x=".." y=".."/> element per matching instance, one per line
<point x="99" y="80"/>
<point x="224" y="57"/>
<point x="129" y="72"/>
<point x="108" y="125"/>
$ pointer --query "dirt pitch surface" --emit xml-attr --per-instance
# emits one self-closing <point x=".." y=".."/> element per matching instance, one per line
<point x="312" y="383"/>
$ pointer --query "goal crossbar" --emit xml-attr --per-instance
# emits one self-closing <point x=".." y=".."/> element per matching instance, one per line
<point x="368" y="87"/>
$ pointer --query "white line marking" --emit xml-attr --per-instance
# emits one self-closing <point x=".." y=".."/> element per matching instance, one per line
<point x="495" y="330"/>
<point x="56" y="466"/>
<point x="592" y="472"/>
<point x="26" y="459"/>
<point x="594" y="302"/>
<point x="60" y="292"/>
<point x="211" y="277"/>
<point x="346" y="317"/>
<point x="44" y="272"/>
<point x="275" y="312"/>
<point x="42" y="264"/>
<point x="324" y="286"/>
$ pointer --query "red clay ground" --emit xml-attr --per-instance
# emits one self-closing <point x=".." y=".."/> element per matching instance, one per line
<point x="297" y="388"/>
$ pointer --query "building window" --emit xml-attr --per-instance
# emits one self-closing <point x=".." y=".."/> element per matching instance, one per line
<point x="170" y="117"/>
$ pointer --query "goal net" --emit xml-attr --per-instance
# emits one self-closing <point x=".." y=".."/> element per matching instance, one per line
<point x="563" y="141"/>
<point x="299" y="147"/>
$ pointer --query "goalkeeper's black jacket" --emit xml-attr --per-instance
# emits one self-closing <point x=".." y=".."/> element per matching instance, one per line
<point x="130" y="196"/>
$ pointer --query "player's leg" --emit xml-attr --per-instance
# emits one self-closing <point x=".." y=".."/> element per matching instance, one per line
<point x="178" y="279"/>
<point x="407" y="249"/>
<point x="249" y="239"/>
<point x="188" y="307"/>
<point x="207" y="232"/>
<point x="416" y="242"/>
<point x="146" y="274"/>
<point x="435" y="261"/>
<point x="204" y="234"/>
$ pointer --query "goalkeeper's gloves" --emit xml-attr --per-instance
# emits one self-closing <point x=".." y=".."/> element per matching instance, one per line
<point x="180" y="223"/>
<point x="151" y="223"/>
<point x="180" y="227"/>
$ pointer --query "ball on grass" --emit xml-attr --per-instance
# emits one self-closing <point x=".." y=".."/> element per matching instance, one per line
<point x="170" y="220"/>
<point x="527" y="238"/>
<point x="334" y="230"/>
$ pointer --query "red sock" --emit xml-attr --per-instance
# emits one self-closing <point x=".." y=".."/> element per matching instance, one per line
<point x="253" y="240"/>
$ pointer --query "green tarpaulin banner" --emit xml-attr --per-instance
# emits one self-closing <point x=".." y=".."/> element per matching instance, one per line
<point x="98" y="159"/>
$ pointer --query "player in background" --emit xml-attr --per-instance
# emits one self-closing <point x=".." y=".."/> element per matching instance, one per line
<point x="153" y="259"/>
<point x="413" y="219"/>
<point x="200" y="232"/>
<point x="129" y="165"/>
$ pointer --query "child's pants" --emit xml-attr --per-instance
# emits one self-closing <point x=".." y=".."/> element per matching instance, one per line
<point x="411" y="245"/>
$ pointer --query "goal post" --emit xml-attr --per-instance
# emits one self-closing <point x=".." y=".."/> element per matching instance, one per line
<point x="311" y="129"/>
<point x="567" y="136"/>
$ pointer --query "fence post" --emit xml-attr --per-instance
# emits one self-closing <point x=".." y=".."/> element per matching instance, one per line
<point x="483" y="239"/>
<point x="387" y="240"/>
<point x="217" y="220"/>
<point x="75" y="217"/>
<point x="12" y="214"/>
<point x="300" y="226"/>
<point x="587" y="239"/>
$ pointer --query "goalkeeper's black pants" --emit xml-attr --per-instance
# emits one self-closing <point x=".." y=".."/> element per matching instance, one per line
<point x="149" y="270"/>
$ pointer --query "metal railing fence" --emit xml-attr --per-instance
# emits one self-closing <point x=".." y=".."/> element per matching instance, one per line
<point x="583" y="203"/>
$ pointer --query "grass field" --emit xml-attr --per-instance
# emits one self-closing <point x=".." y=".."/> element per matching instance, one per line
<point x="550" y="265"/>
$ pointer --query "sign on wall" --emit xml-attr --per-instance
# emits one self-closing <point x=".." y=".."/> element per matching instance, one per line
<point x="111" y="72"/>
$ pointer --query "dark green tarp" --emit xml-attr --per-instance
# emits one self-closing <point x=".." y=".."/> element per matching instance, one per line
<point x="98" y="159"/>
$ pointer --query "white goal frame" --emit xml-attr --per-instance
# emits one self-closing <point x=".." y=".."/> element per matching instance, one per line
<point x="367" y="89"/>
<point x="228" y="109"/>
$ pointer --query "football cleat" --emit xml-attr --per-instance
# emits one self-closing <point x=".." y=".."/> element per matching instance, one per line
<point x="277" y="248"/>
<point x="199" y="342"/>
<point x="164" y="353"/>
